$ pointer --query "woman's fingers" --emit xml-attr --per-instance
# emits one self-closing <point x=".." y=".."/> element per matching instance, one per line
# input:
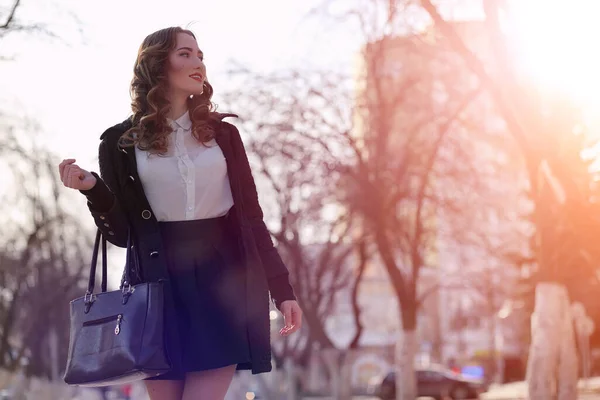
<point x="63" y="168"/>
<point x="296" y="317"/>
<point x="72" y="176"/>
<point x="292" y="314"/>
<point x="75" y="177"/>
<point x="63" y="164"/>
<point x="65" y="175"/>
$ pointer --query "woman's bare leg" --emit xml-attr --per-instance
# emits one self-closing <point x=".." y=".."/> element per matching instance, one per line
<point x="164" y="389"/>
<point x="210" y="384"/>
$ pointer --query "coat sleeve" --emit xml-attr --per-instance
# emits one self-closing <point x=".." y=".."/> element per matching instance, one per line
<point x="276" y="271"/>
<point x="103" y="200"/>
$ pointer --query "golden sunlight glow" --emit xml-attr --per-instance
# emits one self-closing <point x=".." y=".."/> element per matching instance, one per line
<point x="558" y="45"/>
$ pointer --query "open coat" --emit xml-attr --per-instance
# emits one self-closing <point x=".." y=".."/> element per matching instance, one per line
<point x="117" y="202"/>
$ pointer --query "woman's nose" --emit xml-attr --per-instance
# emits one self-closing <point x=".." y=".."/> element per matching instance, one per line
<point x="199" y="63"/>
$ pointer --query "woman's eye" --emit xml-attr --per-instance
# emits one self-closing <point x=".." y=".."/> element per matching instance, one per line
<point x="185" y="54"/>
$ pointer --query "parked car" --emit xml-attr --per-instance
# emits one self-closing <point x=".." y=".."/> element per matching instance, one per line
<point x="7" y="394"/>
<point x="436" y="383"/>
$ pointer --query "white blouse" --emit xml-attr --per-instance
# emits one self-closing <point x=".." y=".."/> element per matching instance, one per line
<point x="190" y="181"/>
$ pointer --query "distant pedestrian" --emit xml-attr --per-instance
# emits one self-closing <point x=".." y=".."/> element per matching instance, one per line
<point x="126" y="391"/>
<point x="104" y="390"/>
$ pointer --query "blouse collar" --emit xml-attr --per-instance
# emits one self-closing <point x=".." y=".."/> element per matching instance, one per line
<point x="183" y="122"/>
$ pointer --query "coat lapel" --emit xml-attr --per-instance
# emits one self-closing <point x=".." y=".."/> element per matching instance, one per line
<point x="223" y="139"/>
<point x="129" y="176"/>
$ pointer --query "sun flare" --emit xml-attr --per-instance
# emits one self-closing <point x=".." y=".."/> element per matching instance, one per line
<point x="557" y="42"/>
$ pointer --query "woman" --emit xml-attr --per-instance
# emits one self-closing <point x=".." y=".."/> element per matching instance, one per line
<point x="178" y="176"/>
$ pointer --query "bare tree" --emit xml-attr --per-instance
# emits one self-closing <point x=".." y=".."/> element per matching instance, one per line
<point x="43" y="246"/>
<point x="408" y="174"/>
<point x="12" y="23"/>
<point x="288" y="138"/>
<point x="42" y="262"/>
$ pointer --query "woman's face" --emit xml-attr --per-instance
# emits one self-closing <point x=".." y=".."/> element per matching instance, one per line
<point x="186" y="70"/>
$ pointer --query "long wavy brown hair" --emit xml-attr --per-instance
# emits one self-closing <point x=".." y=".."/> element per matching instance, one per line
<point x="149" y="102"/>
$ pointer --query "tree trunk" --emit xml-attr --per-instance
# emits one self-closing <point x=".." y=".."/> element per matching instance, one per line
<point x="330" y="356"/>
<point x="345" y="378"/>
<point x="291" y="377"/>
<point x="339" y="383"/>
<point x="406" y="349"/>
<point x="270" y="390"/>
<point x="568" y="359"/>
<point x="552" y="365"/>
<point x="314" y="380"/>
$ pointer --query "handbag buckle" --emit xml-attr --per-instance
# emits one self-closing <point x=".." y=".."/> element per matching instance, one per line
<point x="127" y="290"/>
<point x="91" y="299"/>
<point x="88" y="301"/>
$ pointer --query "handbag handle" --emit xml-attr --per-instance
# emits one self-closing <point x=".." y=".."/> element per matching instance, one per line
<point x="100" y="239"/>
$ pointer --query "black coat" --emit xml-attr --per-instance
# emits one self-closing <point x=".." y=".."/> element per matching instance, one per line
<point x="118" y="202"/>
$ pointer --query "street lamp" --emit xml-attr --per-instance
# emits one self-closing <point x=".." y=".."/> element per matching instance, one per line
<point x="502" y="314"/>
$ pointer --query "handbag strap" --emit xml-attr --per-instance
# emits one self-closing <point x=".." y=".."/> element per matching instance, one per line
<point x="130" y="259"/>
<point x="104" y="266"/>
<point x="128" y="262"/>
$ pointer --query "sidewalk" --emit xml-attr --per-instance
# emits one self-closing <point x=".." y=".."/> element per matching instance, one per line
<point x="588" y="390"/>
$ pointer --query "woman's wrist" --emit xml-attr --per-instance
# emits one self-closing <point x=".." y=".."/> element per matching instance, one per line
<point x="281" y="289"/>
<point x="99" y="196"/>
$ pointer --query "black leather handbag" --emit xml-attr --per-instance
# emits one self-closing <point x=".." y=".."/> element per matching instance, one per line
<point x="116" y="336"/>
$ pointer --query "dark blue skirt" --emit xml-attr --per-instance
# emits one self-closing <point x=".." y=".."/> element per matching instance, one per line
<point x="207" y="282"/>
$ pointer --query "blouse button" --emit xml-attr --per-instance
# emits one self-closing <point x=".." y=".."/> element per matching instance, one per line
<point x="154" y="254"/>
<point x="146" y="214"/>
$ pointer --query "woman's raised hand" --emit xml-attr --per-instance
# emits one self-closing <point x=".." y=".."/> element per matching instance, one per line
<point x="74" y="177"/>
